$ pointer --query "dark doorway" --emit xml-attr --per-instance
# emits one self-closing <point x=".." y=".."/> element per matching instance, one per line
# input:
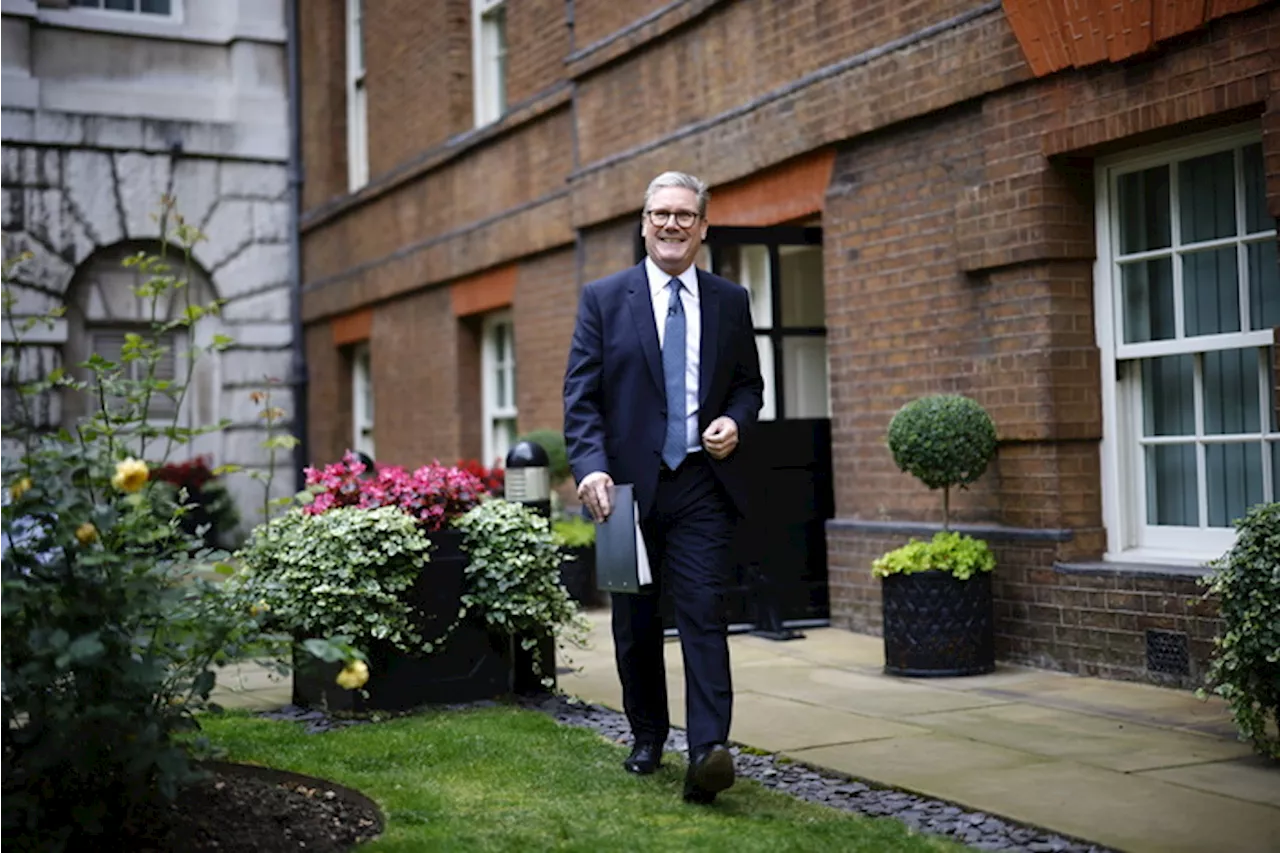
<point x="780" y="573"/>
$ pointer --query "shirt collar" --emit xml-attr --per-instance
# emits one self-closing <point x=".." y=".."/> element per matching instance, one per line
<point x="658" y="279"/>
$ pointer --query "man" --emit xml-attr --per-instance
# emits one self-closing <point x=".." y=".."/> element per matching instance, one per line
<point x="662" y="384"/>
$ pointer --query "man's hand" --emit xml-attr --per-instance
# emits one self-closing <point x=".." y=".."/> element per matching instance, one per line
<point x="720" y="437"/>
<point x="594" y="492"/>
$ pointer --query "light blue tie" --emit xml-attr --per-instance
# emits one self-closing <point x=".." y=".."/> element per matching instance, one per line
<point x="677" y="442"/>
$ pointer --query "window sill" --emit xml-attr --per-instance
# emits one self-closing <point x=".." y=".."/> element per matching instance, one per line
<point x="1133" y="569"/>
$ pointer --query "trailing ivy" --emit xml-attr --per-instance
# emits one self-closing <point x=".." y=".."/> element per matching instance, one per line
<point x="1245" y="670"/>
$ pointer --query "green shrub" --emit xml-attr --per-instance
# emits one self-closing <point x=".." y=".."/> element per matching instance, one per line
<point x="948" y="551"/>
<point x="1245" y="670"/>
<point x="574" y="532"/>
<point x="513" y="576"/>
<point x="342" y="572"/>
<point x="110" y="640"/>
<point x="944" y="440"/>
<point x="552" y="442"/>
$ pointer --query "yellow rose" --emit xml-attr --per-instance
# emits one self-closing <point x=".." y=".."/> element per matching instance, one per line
<point x="20" y="488"/>
<point x="131" y="475"/>
<point x="87" y="533"/>
<point x="353" y="675"/>
<point x="260" y="607"/>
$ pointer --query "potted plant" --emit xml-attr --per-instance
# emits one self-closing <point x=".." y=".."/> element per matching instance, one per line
<point x="467" y="574"/>
<point x="936" y="595"/>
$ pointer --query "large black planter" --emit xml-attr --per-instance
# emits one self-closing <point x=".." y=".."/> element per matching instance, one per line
<point x="936" y="625"/>
<point x="474" y="663"/>
<point x="578" y="575"/>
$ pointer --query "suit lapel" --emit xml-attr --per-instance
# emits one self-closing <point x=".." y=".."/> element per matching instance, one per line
<point x="646" y="327"/>
<point x="709" y="297"/>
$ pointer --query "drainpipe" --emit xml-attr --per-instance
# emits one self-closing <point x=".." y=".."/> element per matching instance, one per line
<point x="298" y="367"/>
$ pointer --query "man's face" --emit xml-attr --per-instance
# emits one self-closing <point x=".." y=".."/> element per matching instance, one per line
<point x="671" y="245"/>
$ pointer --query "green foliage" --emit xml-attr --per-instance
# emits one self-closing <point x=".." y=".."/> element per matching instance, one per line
<point x="513" y="576"/>
<point x="341" y="572"/>
<point x="948" y="551"/>
<point x="944" y="440"/>
<point x="110" y="640"/>
<point x="552" y="442"/>
<point x="1245" y="670"/>
<point x="574" y="532"/>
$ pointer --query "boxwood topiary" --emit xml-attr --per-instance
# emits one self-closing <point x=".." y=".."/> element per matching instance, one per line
<point x="1245" y="669"/>
<point x="944" y="440"/>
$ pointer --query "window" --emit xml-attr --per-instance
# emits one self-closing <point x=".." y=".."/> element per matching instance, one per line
<point x="1187" y="297"/>
<point x="142" y="7"/>
<point x="109" y="343"/>
<point x="489" y="49"/>
<point x="357" y="106"/>
<point x="362" y="402"/>
<point x="783" y="273"/>
<point x="499" y="387"/>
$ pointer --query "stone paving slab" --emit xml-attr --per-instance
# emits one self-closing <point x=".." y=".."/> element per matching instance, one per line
<point x="777" y="724"/>
<point x="1252" y="779"/>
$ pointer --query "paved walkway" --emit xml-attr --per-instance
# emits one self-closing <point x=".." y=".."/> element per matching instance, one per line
<point x="1134" y="767"/>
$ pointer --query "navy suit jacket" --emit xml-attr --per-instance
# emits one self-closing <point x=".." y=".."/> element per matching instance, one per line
<point x="615" y="406"/>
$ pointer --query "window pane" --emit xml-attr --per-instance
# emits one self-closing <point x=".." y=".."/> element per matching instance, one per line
<point x="764" y="347"/>
<point x="121" y="5"/>
<point x="1168" y="395"/>
<point x="804" y="362"/>
<point x="88" y="4"/>
<point x="1264" y="285"/>
<point x="1148" y="300"/>
<point x="749" y="267"/>
<point x="1234" y="480"/>
<point x="500" y="391"/>
<point x="1171" y="485"/>
<point x="1273" y="394"/>
<point x="1144" y="210"/>
<point x="1207" y="197"/>
<point x="155" y="7"/>
<point x="1231" y="392"/>
<point x="1211" y="292"/>
<point x="802" y="295"/>
<point x="1275" y="470"/>
<point x="1255" y="191"/>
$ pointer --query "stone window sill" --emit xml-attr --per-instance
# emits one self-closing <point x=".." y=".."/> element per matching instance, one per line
<point x="1132" y="570"/>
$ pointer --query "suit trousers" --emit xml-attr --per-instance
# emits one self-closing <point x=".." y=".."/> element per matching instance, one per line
<point x="688" y="534"/>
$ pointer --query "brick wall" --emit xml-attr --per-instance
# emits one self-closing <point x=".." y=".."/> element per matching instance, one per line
<point x="545" y="304"/>
<point x="537" y="43"/>
<point x="417" y="75"/>
<point x="596" y="19"/>
<point x="322" y="57"/>
<point x="329" y="412"/>
<point x="416" y="380"/>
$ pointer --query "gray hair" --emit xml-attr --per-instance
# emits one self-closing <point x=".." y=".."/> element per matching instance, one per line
<point x="681" y="181"/>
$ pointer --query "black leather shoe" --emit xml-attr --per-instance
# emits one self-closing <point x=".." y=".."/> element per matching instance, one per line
<point x="645" y="758"/>
<point x="710" y="772"/>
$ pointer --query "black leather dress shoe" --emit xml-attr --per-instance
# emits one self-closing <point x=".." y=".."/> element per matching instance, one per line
<point x="710" y="772"/>
<point x="645" y="758"/>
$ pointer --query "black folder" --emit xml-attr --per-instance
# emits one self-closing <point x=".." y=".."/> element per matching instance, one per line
<point x="617" y="545"/>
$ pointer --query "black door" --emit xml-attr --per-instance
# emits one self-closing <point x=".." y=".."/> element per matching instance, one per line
<point x="780" y="564"/>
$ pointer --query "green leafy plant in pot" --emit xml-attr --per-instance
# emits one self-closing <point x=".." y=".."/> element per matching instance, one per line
<point x="937" y="602"/>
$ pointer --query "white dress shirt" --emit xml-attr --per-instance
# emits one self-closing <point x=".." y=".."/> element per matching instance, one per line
<point x="690" y="301"/>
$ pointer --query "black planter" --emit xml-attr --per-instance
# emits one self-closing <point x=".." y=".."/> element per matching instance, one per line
<point x="936" y="625"/>
<point x="474" y="663"/>
<point x="578" y="575"/>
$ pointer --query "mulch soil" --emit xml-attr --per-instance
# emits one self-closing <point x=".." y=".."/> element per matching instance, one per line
<point x="235" y="811"/>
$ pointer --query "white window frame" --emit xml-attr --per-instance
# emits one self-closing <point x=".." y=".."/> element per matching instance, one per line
<point x="357" y="99"/>
<point x="136" y="13"/>
<point x="1129" y="537"/>
<point x="362" y="404"/>
<point x="496" y="411"/>
<point x="489" y="59"/>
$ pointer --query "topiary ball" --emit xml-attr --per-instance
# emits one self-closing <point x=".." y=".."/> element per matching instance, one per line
<point x="943" y="439"/>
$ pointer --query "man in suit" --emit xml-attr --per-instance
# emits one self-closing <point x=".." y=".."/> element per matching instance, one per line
<point x="662" y="384"/>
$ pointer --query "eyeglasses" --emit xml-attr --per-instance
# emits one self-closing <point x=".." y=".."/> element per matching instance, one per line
<point x="684" y="218"/>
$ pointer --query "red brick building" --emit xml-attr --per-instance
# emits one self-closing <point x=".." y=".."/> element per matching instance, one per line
<point x="1064" y="210"/>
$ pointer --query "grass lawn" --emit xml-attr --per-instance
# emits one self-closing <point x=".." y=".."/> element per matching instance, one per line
<point x="508" y="779"/>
